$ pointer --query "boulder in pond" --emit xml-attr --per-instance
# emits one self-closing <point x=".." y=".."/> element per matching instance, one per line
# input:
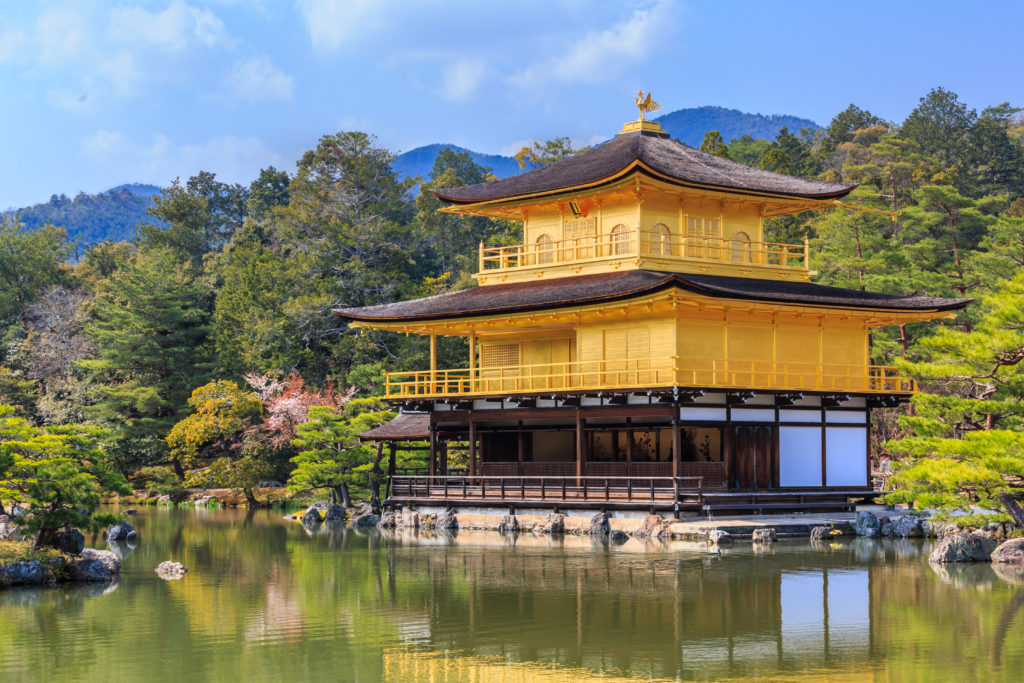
<point x="334" y="513"/>
<point x="388" y="520"/>
<point x="70" y="541"/>
<point x="766" y="535"/>
<point x="120" y="532"/>
<point x="368" y="519"/>
<point x="907" y="526"/>
<point x="821" y="533"/>
<point x="446" y="520"/>
<point x="865" y="522"/>
<point x="311" y="517"/>
<point x="110" y="561"/>
<point x="599" y="524"/>
<point x="509" y="524"/>
<point x="171" y="571"/>
<point x="409" y="519"/>
<point x="654" y="526"/>
<point x="21" y="573"/>
<point x="1009" y="552"/>
<point x="618" y="537"/>
<point x="554" y="523"/>
<point x="976" y="546"/>
<point x="88" y="569"/>
<point x="720" y="537"/>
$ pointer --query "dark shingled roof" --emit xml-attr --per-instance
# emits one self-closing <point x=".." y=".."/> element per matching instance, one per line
<point x="668" y="158"/>
<point x="405" y="427"/>
<point x="601" y="287"/>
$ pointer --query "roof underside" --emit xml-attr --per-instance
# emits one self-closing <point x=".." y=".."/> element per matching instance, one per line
<point x="666" y="159"/>
<point x="603" y="287"/>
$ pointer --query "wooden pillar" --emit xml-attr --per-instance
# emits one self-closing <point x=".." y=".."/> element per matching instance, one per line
<point x="521" y="455"/>
<point x="432" y="458"/>
<point x="391" y="458"/>
<point x="629" y="445"/>
<point x="472" y="361"/>
<point x="433" y="362"/>
<point x="581" y="446"/>
<point x="472" y="447"/>
<point x="443" y="445"/>
<point x="677" y="443"/>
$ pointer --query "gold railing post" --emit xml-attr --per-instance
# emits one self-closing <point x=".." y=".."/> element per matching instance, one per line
<point x="807" y="253"/>
<point x="481" y="256"/>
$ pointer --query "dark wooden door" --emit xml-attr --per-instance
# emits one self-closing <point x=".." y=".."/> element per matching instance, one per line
<point x="752" y="456"/>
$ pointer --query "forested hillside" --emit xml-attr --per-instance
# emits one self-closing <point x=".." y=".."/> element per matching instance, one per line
<point x="201" y="347"/>
<point x="689" y="125"/>
<point x="92" y="218"/>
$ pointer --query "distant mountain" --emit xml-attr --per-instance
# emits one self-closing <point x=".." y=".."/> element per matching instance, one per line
<point x="686" y="125"/>
<point x="420" y="161"/>
<point x="92" y="218"/>
<point x="689" y="125"/>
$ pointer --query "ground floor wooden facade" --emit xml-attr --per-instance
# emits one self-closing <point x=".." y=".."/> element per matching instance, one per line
<point x="669" y="452"/>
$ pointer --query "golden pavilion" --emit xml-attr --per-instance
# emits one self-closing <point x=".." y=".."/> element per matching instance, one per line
<point x="644" y="348"/>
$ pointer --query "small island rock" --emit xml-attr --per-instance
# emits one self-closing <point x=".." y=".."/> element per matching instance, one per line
<point x="70" y="541"/>
<point x="975" y="546"/>
<point x="1009" y="552"/>
<point x="171" y="571"/>
<point x="599" y="524"/>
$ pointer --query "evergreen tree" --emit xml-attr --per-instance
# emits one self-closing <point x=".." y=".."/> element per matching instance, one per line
<point x="714" y="144"/>
<point x="150" y="330"/>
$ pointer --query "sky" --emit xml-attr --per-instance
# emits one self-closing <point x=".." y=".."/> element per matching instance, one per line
<point x="97" y="93"/>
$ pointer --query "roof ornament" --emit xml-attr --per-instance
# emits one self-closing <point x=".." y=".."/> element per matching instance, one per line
<point x="645" y="104"/>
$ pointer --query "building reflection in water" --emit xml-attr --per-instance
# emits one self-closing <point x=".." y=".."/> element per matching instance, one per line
<point x="626" y="611"/>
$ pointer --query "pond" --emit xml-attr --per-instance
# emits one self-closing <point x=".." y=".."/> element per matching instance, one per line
<point x="267" y="601"/>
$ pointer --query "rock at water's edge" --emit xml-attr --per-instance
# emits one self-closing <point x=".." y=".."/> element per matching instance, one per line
<point x="312" y="517"/>
<point x="618" y="536"/>
<point x="720" y="537"/>
<point x="120" y="532"/>
<point x="446" y="520"/>
<point x="599" y="524"/>
<point x="509" y="524"/>
<point x="554" y="523"/>
<point x="334" y="513"/>
<point x="766" y="535"/>
<point x="70" y="541"/>
<point x="865" y="522"/>
<point x="975" y="546"/>
<point x="389" y="520"/>
<point x="368" y="519"/>
<point x="1009" y="552"/>
<point x="821" y="533"/>
<point x="109" y="559"/>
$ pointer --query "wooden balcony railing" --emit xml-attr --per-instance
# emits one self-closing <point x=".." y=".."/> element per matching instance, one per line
<point x="645" y="243"/>
<point x="553" y="489"/>
<point x="645" y="373"/>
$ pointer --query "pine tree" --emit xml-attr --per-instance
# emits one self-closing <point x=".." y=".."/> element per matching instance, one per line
<point x="150" y="329"/>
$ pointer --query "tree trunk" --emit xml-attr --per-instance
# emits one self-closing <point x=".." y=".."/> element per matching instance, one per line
<point x="250" y="498"/>
<point x="375" y="479"/>
<point x="342" y="489"/>
<point x="45" y="538"/>
<point x="178" y="471"/>
<point x="334" y="495"/>
<point x="1013" y="508"/>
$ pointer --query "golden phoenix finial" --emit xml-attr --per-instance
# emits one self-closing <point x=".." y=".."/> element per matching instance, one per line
<point x="645" y="103"/>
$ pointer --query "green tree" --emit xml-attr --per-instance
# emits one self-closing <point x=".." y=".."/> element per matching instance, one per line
<point x="941" y="125"/>
<point x="150" y="331"/>
<point x="548" y="152"/>
<point x="713" y="143"/>
<point x="965" y="443"/>
<point x="330" y="454"/>
<point x="221" y="412"/>
<point x="842" y="128"/>
<point x="270" y="189"/>
<point x="31" y="261"/>
<point x="57" y="474"/>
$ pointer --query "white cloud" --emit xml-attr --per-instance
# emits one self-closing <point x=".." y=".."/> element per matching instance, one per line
<point x="176" y="28"/>
<point x="601" y="55"/>
<point x="233" y="159"/>
<point x="258" y="79"/>
<point x="63" y="34"/>
<point x="331" y="23"/>
<point x="462" y="79"/>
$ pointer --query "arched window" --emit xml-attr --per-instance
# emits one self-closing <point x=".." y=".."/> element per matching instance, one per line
<point x="659" y="240"/>
<point x="620" y="240"/>
<point x="740" y="247"/>
<point x="545" y="249"/>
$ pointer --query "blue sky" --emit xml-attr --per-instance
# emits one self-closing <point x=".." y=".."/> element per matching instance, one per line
<point x="100" y="93"/>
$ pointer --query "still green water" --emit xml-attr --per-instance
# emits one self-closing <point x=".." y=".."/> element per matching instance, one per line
<point x="267" y="601"/>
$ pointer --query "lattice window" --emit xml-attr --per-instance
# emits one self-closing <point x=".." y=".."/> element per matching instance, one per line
<point x="620" y="240"/>
<point x="702" y="237"/>
<point x="545" y="249"/>
<point x="578" y="237"/>
<point x="740" y="247"/>
<point x="660" y="240"/>
<point x="499" y="355"/>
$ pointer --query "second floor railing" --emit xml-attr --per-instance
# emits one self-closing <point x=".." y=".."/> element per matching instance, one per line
<point x="645" y="243"/>
<point x="643" y="373"/>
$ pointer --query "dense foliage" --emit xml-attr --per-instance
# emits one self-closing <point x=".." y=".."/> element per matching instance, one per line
<point x="207" y="351"/>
